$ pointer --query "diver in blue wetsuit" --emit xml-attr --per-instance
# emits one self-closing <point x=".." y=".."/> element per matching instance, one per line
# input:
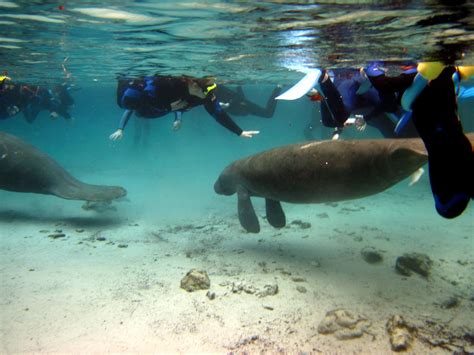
<point x="156" y="96"/>
<point x="348" y="95"/>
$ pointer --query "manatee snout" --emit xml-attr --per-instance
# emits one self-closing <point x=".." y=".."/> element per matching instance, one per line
<point x="225" y="184"/>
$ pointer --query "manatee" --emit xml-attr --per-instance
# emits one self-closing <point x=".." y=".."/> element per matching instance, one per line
<point x="317" y="172"/>
<point x="23" y="168"/>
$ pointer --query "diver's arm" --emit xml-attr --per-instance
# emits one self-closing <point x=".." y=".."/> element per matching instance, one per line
<point x="125" y="118"/>
<point x="177" y="120"/>
<point x="213" y="107"/>
<point x="118" y="134"/>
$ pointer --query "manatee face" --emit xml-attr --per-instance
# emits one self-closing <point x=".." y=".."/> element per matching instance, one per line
<point x="226" y="183"/>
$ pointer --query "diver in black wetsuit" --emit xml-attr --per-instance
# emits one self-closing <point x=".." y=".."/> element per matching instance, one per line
<point x="31" y="99"/>
<point x="156" y="96"/>
<point x="450" y="154"/>
<point x="235" y="102"/>
<point x="433" y="102"/>
<point x="56" y="100"/>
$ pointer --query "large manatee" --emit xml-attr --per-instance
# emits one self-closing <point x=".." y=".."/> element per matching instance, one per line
<point x="316" y="172"/>
<point x="23" y="168"/>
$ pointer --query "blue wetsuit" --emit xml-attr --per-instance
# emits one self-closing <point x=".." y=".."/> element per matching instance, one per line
<point x="341" y="99"/>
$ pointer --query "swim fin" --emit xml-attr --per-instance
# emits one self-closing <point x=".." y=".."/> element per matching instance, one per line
<point x="308" y="82"/>
<point x="410" y="94"/>
<point x="465" y="93"/>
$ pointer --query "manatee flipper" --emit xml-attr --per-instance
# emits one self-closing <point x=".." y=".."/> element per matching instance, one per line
<point x="275" y="214"/>
<point x="247" y="216"/>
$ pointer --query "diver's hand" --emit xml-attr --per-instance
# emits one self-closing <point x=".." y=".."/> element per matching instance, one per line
<point x="177" y="125"/>
<point x="12" y="110"/>
<point x="118" y="134"/>
<point x="178" y="105"/>
<point x="360" y="123"/>
<point x="249" y="134"/>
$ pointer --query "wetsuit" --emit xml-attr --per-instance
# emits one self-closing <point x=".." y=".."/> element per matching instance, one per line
<point x="151" y="97"/>
<point x="341" y="99"/>
<point x="450" y="155"/>
<point x="239" y="105"/>
<point x="10" y="98"/>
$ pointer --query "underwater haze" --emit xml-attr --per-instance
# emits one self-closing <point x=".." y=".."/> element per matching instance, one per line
<point x="108" y="277"/>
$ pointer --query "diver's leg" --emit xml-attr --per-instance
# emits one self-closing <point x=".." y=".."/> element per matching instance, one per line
<point x="451" y="160"/>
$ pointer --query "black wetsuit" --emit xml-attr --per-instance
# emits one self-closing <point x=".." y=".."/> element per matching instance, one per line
<point x="239" y="105"/>
<point x="37" y="98"/>
<point x="10" y="96"/>
<point x="450" y="155"/>
<point x="151" y="97"/>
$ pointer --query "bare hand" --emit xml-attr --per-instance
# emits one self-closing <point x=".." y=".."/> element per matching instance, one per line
<point x="177" y="125"/>
<point x="249" y="134"/>
<point x="12" y="110"/>
<point x="118" y="134"/>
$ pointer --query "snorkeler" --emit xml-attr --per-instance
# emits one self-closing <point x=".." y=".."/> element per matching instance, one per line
<point x="9" y="98"/>
<point x="346" y="100"/>
<point x="433" y="101"/>
<point x="57" y="100"/>
<point x="235" y="102"/>
<point x="32" y="99"/>
<point x="156" y="96"/>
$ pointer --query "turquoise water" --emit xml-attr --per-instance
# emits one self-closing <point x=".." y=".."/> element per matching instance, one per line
<point x="169" y="178"/>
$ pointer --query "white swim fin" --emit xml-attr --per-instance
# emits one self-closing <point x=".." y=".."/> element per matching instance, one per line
<point x="301" y="87"/>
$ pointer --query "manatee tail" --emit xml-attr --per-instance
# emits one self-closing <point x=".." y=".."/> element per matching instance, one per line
<point x="73" y="189"/>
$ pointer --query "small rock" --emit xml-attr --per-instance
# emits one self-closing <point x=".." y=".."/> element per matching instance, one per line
<point x="269" y="290"/>
<point x="301" y="224"/>
<point x="298" y="279"/>
<point x="57" y="235"/>
<point x="371" y="255"/>
<point x="451" y="302"/>
<point x="196" y="280"/>
<point x="211" y="295"/>
<point x="414" y="262"/>
<point x="400" y="333"/>
<point x="79" y="230"/>
<point x="100" y="239"/>
<point x="343" y="324"/>
<point x="270" y="308"/>
<point x="122" y="245"/>
<point x="301" y="289"/>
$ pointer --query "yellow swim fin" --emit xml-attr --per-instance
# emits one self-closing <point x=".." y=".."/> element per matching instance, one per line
<point x="430" y="70"/>
<point x="466" y="72"/>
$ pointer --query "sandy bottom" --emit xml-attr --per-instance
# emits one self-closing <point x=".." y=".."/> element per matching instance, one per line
<point x="112" y="283"/>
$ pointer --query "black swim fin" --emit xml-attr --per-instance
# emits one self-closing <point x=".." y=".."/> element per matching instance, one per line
<point x="247" y="216"/>
<point x="275" y="215"/>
